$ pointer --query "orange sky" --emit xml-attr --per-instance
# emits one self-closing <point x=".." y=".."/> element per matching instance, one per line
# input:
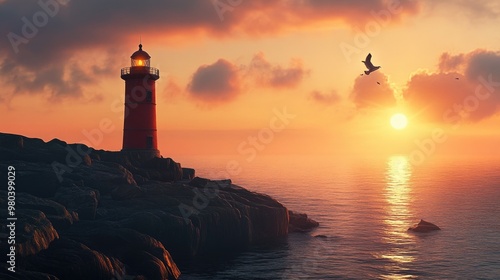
<point x="62" y="78"/>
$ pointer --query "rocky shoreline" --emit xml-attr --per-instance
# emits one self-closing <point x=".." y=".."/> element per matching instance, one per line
<point x="93" y="214"/>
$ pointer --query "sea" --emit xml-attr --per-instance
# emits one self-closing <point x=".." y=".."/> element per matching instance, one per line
<point x="365" y="207"/>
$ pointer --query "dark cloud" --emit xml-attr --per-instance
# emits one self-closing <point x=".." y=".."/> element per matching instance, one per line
<point x="466" y="88"/>
<point x="277" y="76"/>
<point x="58" y="81"/>
<point x="223" y="80"/>
<point x="54" y="33"/>
<point x="372" y="91"/>
<point x="325" y="98"/>
<point x="215" y="83"/>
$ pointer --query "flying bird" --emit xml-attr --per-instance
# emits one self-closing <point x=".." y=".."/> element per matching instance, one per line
<point x="368" y="63"/>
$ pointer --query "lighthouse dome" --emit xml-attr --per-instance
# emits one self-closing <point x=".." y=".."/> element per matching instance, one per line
<point x="140" y="54"/>
<point x="140" y="58"/>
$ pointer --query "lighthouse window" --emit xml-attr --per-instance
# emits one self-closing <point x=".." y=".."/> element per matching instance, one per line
<point x="149" y="96"/>
<point x="149" y="142"/>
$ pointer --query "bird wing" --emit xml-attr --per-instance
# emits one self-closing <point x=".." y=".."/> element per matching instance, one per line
<point x="369" y="57"/>
<point x="368" y="62"/>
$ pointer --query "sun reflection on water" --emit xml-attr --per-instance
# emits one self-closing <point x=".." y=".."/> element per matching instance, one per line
<point x="398" y="215"/>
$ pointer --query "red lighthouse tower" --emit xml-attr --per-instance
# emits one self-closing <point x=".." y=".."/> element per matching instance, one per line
<point x="139" y="128"/>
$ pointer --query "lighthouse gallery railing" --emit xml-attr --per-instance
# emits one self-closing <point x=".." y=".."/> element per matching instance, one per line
<point x="140" y="70"/>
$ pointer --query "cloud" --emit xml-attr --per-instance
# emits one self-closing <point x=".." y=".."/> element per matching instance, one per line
<point x="368" y="93"/>
<point x="325" y="98"/>
<point x="42" y="34"/>
<point x="276" y="76"/>
<point x="215" y="83"/>
<point x="474" y="10"/>
<point x="466" y="88"/>
<point x="448" y="62"/>
<point x="222" y="81"/>
<point x="60" y="81"/>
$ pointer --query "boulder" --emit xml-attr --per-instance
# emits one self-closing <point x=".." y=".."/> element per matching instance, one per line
<point x="37" y="179"/>
<point x="34" y="233"/>
<point x="69" y="259"/>
<point x="142" y="254"/>
<point x="424" y="226"/>
<point x="82" y="200"/>
<point x="300" y="222"/>
<point x="57" y="214"/>
<point x="103" y="176"/>
<point x="21" y="274"/>
<point x="161" y="169"/>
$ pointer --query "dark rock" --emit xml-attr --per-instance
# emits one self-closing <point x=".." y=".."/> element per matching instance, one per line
<point x="68" y="259"/>
<point x="34" y="233"/>
<point x="188" y="173"/>
<point x="202" y="182"/>
<point x="125" y="192"/>
<point x="82" y="200"/>
<point x="11" y="141"/>
<point x="134" y="212"/>
<point x="55" y="212"/>
<point x="162" y="169"/>
<point x="103" y="176"/>
<point x="34" y="178"/>
<point x="424" y="226"/>
<point x="300" y="222"/>
<point x="109" y="156"/>
<point x="199" y="182"/>
<point x="35" y="150"/>
<point x="56" y="141"/>
<point x="24" y="275"/>
<point x="142" y="254"/>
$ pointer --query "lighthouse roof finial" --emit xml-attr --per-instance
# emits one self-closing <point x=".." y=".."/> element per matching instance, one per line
<point x="140" y="54"/>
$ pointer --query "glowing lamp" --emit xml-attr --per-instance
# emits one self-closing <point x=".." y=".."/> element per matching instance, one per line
<point x="140" y="58"/>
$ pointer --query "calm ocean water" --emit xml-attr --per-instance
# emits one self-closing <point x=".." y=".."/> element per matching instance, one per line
<point x="365" y="208"/>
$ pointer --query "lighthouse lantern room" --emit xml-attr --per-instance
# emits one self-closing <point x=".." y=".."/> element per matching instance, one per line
<point x="139" y="127"/>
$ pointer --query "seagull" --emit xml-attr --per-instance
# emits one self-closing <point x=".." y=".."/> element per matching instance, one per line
<point x="369" y="64"/>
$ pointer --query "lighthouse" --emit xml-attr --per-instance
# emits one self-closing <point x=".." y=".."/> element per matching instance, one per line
<point x="139" y="126"/>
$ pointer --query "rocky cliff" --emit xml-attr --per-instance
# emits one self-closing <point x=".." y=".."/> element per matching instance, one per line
<point x="92" y="214"/>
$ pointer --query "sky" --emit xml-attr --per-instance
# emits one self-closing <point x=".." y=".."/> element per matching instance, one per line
<point x="241" y="77"/>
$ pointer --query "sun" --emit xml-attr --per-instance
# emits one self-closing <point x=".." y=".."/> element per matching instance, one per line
<point x="399" y="121"/>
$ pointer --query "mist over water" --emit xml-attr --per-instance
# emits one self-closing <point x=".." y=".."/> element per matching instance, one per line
<point x="365" y="208"/>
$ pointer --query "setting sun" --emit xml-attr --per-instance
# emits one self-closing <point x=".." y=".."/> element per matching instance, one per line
<point x="399" y="121"/>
